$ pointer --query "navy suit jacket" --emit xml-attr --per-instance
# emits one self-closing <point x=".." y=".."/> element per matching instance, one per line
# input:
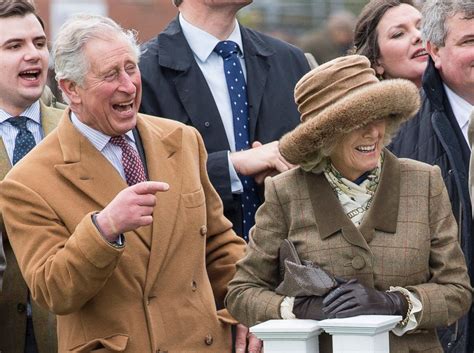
<point x="175" y="88"/>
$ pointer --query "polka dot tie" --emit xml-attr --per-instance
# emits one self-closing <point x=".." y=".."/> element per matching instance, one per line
<point x="131" y="162"/>
<point x="24" y="140"/>
<point x="237" y="87"/>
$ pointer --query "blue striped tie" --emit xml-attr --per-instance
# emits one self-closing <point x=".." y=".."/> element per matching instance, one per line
<point x="237" y="87"/>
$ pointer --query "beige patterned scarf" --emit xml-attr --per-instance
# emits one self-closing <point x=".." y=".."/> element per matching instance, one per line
<point x="354" y="198"/>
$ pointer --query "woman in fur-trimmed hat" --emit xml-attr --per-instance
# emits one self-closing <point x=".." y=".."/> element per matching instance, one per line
<point x="353" y="230"/>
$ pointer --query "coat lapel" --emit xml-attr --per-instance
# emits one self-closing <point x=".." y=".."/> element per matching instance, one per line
<point x="175" y="54"/>
<point x="164" y="158"/>
<point x="5" y="164"/>
<point x="256" y="53"/>
<point x="85" y="167"/>
<point x="328" y="212"/>
<point x="383" y="213"/>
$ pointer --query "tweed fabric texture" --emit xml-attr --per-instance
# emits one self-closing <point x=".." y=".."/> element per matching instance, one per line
<point x="237" y="88"/>
<point x="131" y="162"/>
<point x="341" y="96"/>
<point x="24" y="141"/>
<point x="408" y="238"/>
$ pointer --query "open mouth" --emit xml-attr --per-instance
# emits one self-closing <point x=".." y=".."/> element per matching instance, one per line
<point x="419" y="52"/>
<point x="124" y="107"/>
<point x="366" y="148"/>
<point x="30" y="75"/>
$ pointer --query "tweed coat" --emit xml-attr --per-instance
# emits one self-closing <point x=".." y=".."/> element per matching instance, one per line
<point x="15" y="291"/>
<point x="163" y="289"/>
<point x="408" y="238"/>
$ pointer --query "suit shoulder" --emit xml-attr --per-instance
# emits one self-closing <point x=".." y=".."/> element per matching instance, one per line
<point x="409" y="165"/>
<point x="278" y="45"/>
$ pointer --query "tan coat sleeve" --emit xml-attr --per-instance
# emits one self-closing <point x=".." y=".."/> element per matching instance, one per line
<point x="251" y="298"/>
<point x="63" y="270"/>
<point x="447" y="295"/>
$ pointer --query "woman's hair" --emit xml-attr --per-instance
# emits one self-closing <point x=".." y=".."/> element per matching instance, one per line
<point x="365" y="33"/>
<point x="70" y="62"/>
<point x="318" y="159"/>
<point x="435" y="13"/>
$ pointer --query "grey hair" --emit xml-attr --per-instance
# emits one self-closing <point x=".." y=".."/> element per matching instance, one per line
<point x="70" y="62"/>
<point x="436" y="12"/>
<point x="320" y="157"/>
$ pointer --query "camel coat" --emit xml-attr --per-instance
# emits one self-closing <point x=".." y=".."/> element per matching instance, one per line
<point x="163" y="290"/>
<point x="408" y="238"/>
<point x="15" y="291"/>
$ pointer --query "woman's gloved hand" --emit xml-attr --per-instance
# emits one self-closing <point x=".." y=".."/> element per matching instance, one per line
<point x="311" y="307"/>
<point x="353" y="298"/>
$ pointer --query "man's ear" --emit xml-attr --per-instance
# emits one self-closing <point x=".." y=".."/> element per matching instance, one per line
<point x="70" y="89"/>
<point x="433" y="50"/>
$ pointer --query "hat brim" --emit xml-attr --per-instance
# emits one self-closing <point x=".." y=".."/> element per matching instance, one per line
<point x="396" y="99"/>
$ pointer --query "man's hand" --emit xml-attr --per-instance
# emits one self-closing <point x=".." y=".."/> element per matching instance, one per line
<point x="261" y="160"/>
<point x="130" y="209"/>
<point x="241" y="336"/>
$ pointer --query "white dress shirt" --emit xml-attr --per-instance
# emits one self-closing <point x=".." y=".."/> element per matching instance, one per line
<point x="462" y="110"/>
<point x="211" y="64"/>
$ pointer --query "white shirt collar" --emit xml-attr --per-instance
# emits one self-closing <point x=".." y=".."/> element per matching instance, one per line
<point x="202" y="43"/>
<point x="97" y="138"/>
<point x="33" y="112"/>
<point x="462" y="109"/>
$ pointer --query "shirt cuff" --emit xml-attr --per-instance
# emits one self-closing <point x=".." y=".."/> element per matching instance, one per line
<point x="235" y="183"/>
<point x="416" y="308"/>
<point x="286" y="308"/>
<point x="119" y="243"/>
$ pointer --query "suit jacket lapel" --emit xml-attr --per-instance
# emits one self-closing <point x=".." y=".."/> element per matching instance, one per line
<point x="49" y="120"/>
<point x="175" y="54"/>
<point x="81" y="165"/>
<point x="164" y="159"/>
<point x="256" y="53"/>
<point x="5" y="164"/>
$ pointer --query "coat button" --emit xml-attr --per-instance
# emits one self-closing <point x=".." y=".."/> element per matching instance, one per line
<point x="203" y="230"/>
<point x="358" y="262"/>
<point x="194" y="286"/>
<point x="21" y="308"/>
<point x="207" y="124"/>
<point x="209" y="340"/>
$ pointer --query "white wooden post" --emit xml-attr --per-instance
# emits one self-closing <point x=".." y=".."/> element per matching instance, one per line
<point x="284" y="336"/>
<point x="360" y="334"/>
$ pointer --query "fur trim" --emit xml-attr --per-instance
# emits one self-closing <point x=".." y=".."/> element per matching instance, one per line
<point x="397" y="99"/>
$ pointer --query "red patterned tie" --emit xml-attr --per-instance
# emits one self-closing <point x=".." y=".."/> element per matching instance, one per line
<point x="131" y="162"/>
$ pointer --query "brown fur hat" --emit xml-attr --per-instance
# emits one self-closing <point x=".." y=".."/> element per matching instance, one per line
<point x="340" y="96"/>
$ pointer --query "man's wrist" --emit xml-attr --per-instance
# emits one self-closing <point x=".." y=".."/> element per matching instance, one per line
<point x="117" y="240"/>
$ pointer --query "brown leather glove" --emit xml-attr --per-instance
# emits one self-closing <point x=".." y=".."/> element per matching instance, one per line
<point x="311" y="307"/>
<point x="353" y="298"/>
<point x="301" y="279"/>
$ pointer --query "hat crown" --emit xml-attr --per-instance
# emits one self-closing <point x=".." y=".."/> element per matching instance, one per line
<point x="330" y="82"/>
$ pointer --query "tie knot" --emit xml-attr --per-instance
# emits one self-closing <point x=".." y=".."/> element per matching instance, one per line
<point x="19" y="122"/>
<point x="119" y="141"/>
<point x="227" y="48"/>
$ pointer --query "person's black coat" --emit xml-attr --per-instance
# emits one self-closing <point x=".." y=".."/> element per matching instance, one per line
<point x="434" y="136"/>
<point x="175" y="88"/>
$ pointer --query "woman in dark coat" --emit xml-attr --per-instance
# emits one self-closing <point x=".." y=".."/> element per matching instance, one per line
<point x="368" y="233"/>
